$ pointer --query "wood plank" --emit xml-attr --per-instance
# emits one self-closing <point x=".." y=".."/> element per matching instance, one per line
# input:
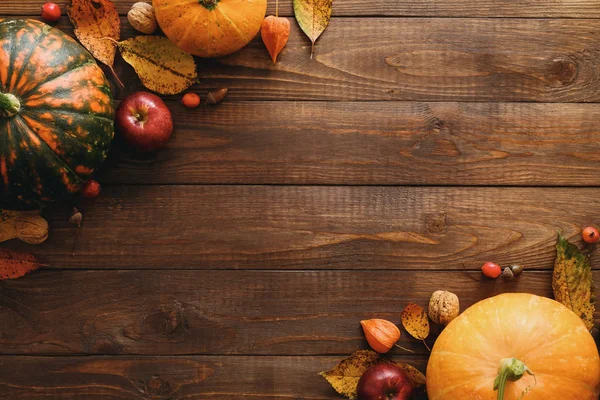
<point x="223" y="312"/>
<point x="275" y="227"/>
<point x="174" y="378"/>
<point x="372" y="143"/>
<point x="415" y="59"/>
<point x="415" y="8"/>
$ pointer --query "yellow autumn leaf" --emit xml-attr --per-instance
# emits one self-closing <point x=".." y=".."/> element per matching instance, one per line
<point x="345" y="375"/>
<point x="313" y="17"/>
<point x="160" y="64"/>
<point x="94" y="21"/>
<point x="415" y="321"/>
<point x="572" y="281"/>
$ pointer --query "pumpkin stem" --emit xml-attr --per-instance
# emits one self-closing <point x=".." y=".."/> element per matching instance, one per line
<point x="208" y="4"/>
<point x="510" y="369"/>
<point x="9" y="105"/>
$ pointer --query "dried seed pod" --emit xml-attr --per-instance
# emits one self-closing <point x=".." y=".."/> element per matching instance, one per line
<point x="31" y="229"/>
<point x="516" y="269"/>
<point x="275" y="32"/>
<point x="142" y="18"/>
<point x="216" y="96"/>
<point x="444" y="306"/>
<point x="508" y="274"/>
<point x="76" y="217"/>
<point x="380" y="334"/>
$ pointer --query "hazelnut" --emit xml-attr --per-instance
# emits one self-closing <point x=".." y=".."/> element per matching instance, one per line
<point x="443" y="307"/>
<point x="142" y="18"/>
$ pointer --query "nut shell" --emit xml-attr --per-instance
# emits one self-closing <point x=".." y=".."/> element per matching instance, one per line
<point x="142" y="18"/>
<point x="444" y="306"/>
<point x="31" y="229"/>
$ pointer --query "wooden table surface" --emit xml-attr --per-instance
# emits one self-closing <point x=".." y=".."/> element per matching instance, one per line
<point x="425" y="137"/>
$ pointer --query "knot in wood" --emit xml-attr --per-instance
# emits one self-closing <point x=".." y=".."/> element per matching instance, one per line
<point x="154" y="387"/>
<point x="436" y="224"/>
<point x="562" y="72"/>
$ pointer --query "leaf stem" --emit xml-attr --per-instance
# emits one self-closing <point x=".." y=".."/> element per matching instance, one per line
<point x="426" y="345"/>
<point x="403" y="348"/>
<point x="116" y="77"/>
<point x="277" y="8"/>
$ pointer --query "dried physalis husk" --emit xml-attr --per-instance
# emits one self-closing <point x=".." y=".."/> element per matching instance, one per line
<point x="381" y="334"/>
<point x="216" y="96"/>
<point x="142" y="18"/>
<point x="275" y="32"/>
<point x="443" y="307"/>
<point x="31" y="229"/>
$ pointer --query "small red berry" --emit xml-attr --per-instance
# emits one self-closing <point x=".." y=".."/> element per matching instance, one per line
<point x="50" y="12"/>
<point x="491" y="270"/>
<point x="190" y="100"/>
<point x="91" y="189"/>
<point x="590" y="234"/>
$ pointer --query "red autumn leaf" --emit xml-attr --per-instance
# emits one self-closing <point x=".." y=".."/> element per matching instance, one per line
<point x="14" y="265"/>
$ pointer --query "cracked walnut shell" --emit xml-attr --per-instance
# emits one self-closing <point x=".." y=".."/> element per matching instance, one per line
<point x="443" y="307"/>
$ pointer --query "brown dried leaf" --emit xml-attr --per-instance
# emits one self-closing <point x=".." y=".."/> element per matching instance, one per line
<point x="344" y="377"/>
<point x="94" y="21"/>
<point x="572" y="281"/>
<point x="415" y="321"/>
<point x="14" y="265"/>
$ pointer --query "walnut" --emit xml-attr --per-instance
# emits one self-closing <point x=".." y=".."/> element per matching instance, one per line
<point x="31" y="229"/>
<point x="142" y="18"/>
<point x="443" y="307"/>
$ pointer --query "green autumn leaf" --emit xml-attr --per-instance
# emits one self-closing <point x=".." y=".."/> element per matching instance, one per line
<point x="572" y="281"/>
<point x="161" y="66"/>
<point x="344" y="377"/>
<point x="313" y="17"/>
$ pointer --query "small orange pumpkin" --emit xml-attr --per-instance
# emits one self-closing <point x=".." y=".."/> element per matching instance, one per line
<point x="210" y="28"/>
<point x="508" y="336"/>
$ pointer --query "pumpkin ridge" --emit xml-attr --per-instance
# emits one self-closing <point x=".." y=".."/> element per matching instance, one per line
<point x="53" y="77"/>
<point x="237" y="30"/>
<point x="64" y="111"/>
<point x="45" y="31"/>
<point x="11" y="38"/>
<point x="62" y="161"/>
<point x="190" y="26"/>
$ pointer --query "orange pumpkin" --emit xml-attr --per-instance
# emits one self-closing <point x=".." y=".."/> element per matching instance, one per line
<point x="508" y="336"/>
<point x="210" y="28"/>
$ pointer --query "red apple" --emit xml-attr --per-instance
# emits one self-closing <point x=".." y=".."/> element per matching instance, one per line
<point x="384" y="382"/>
<point x="144" y="121"/>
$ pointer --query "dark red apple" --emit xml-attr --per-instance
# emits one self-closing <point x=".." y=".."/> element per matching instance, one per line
<point x="384" y="382"/>
<point x="144" y="121"/>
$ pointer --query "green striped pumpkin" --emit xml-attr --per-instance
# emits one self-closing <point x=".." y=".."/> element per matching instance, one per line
<point x="56" y="115"/>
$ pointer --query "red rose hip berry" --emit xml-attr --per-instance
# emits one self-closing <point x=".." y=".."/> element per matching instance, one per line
<point x="91" y="189"/>
<point x="491" y="270"/>
<point x="590" y="234"/>
<point x="190" y="100"/>
<point x="50" y="12"/>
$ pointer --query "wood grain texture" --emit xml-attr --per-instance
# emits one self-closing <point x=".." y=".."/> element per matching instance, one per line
<point x="372" y="143"/>
<point x="223" y="312"/>
<point x="301" y="227"/>
<point x="417" y="8"/>
<point x="414" y="59"/>
<point x="173" y="378"/>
